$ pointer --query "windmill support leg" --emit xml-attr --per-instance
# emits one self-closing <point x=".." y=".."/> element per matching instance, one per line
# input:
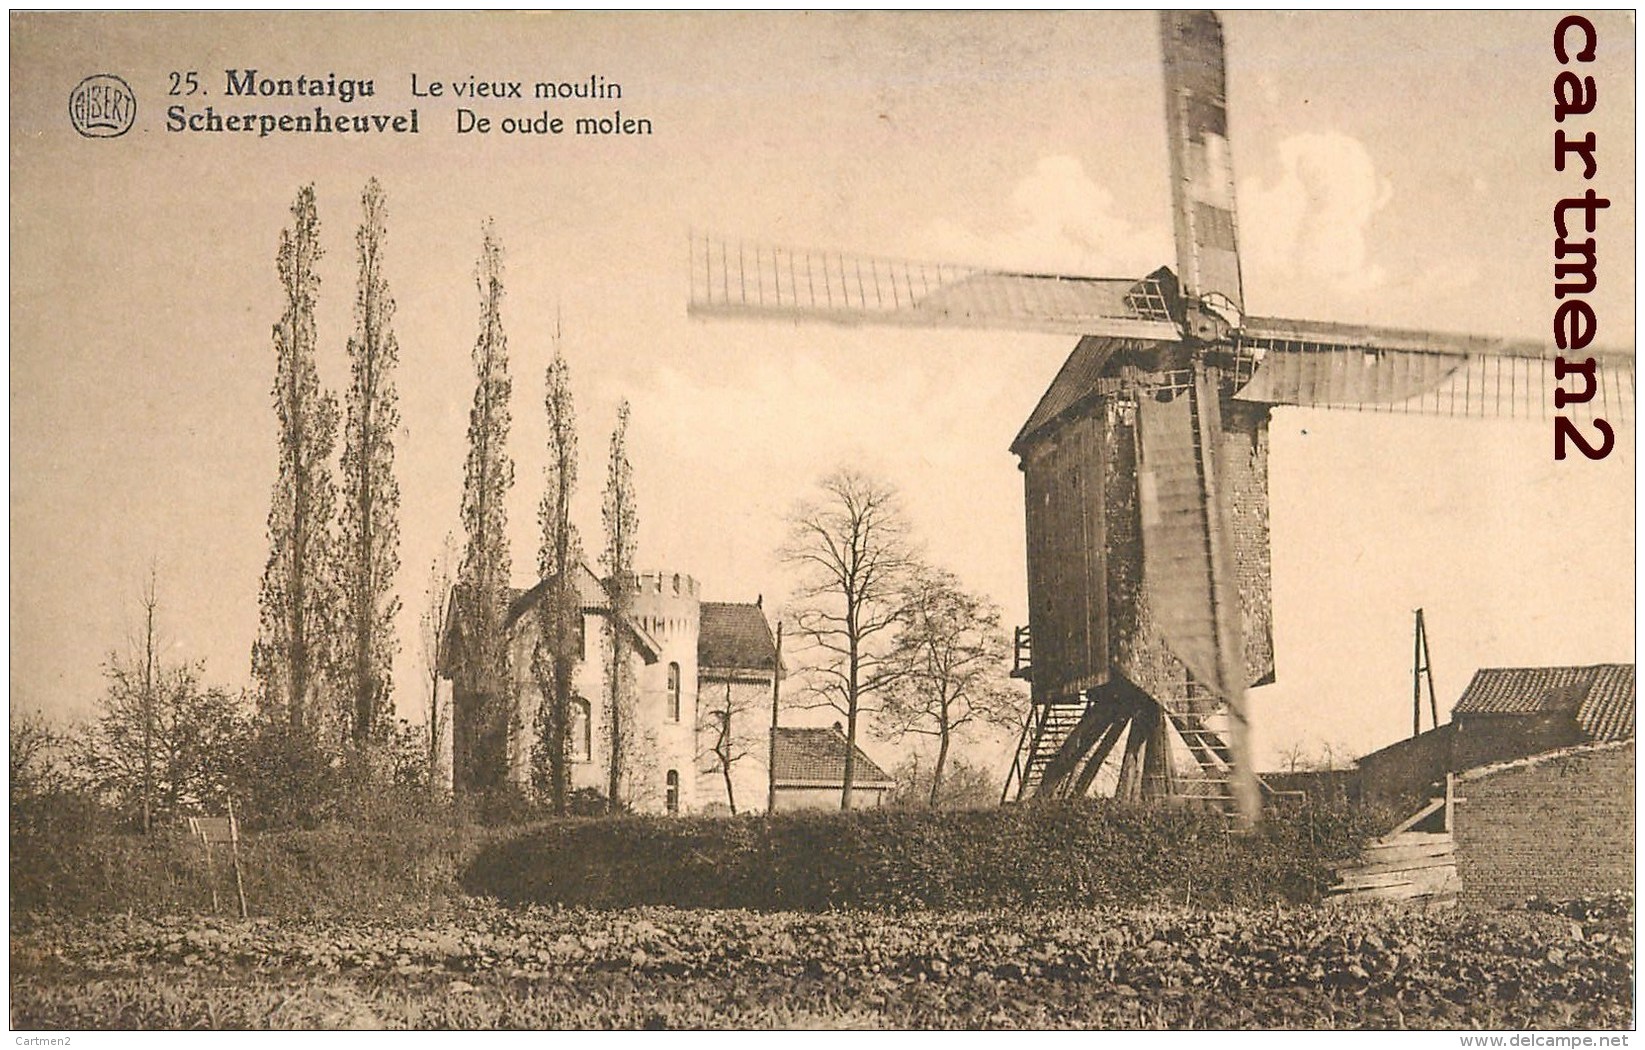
<point x="1091" y="726"/>
<point x="1158" y="776"/>
<point x="1093" y="765"/>
<point x="1130" y="785"/>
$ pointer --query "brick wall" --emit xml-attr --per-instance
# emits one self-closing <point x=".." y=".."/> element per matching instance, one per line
<point x="1559" y="825"/>
<point x="1483" y="739"/>
<point x="1322" y="786"/>
<point x="1407" y="771"/>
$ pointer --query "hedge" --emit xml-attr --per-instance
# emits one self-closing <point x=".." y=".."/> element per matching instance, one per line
<point x="1034" y="855"/>
<point x="1071" y="853"/>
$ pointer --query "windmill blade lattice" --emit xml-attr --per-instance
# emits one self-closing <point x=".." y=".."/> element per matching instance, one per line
<point x="1424" y="373"/>
<point x="742" y="279"/>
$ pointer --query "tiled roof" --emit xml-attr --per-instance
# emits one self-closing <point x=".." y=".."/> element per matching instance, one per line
<point x="735" y="635"/>
<point x="589" y="588"/>
<point x="594" y="598"/>
<point x="1600" y="698"/>
<point x="816" y="758"/>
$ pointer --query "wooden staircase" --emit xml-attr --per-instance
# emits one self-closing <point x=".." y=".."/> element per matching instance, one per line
<point x="1046" y="729"/>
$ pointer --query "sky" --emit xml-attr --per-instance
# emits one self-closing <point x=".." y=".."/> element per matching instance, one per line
<point x="1393" y="169"/>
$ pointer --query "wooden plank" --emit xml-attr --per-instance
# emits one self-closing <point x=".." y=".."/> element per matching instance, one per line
<point x="1412" y="864"/>
<point x="1411" y="876"/>
<point x="1406" y="838"/>
<point x="1433" y="806"/>
<point x="1405" y="855"/>
<point x="1098" y="757"/>
<point x="1395" y="893"/>
<point x="1130" y="782"/>
<point x="212" y="829"/>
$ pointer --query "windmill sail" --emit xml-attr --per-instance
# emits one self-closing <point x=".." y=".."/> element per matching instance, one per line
<point x="734" y="279"/>
<point x="1202" y="173"/>
<point x="1406" y="370"/>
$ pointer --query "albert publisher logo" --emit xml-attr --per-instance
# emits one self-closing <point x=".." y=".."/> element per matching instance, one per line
<point x="102" y="106"/>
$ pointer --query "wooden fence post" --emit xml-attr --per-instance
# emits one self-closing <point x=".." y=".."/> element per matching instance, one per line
<point x="234" y="850"/>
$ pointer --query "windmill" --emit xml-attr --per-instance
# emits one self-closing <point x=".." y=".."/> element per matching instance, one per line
<point x="1145" y="462"/>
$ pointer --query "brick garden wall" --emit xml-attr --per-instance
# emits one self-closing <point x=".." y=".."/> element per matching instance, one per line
<point x="1482" y="739"/>
<point x="1406" y="772"/>
<point x="1555" y="826"/>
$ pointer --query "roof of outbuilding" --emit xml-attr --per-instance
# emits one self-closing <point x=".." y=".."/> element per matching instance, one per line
<point x="735" y="635"/>
<point x="806" y="757"/>
<point x="1600" y="697"/>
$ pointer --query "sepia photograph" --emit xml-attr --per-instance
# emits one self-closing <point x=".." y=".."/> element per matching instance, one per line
<point x="868" y="520"/>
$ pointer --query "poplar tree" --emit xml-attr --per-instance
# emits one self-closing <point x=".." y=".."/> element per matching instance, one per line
<point x="559" y="611"/>
<point x="370" y="555"/>
<point x="296" y="602"/>
<point x="621" y="528"/>
<point x="480" y="742"/>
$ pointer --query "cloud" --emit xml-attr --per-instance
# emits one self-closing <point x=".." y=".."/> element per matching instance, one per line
<point x="1305" y="233"/>
<point x="1064" y="221"/>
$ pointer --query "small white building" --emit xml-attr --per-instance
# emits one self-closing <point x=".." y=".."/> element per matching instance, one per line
<point x="810" y="765"/>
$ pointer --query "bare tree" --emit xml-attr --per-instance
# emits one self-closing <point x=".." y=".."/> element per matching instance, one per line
<point x="162" y="741"/>
<point x="952" y="657"/>
<point x="851" y="550"/>
<point x="37" y="753"/>
<point x="1294" y="757"/>
<point x="622" y="525"/>
<point x="721" y="746"/>
<point x="146" y="690"/>
<point x="434" y="622"/>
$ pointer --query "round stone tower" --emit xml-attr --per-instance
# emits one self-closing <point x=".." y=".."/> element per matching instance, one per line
<point x="667" y="607"/>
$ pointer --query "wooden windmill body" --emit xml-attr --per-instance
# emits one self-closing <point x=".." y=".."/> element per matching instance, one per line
<point x="1145" y="463"/>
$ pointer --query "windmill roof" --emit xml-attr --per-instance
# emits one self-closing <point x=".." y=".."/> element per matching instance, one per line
<point x="735" y="635"/>
<point x="805" y="757"/>
<point x="1600" y="697"/>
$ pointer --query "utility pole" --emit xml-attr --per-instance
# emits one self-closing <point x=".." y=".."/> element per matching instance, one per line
<point x="1420" y="667"/>
<point x="776" y="694"/>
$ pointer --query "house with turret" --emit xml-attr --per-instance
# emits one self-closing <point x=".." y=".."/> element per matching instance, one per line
<point x="691" y="662"/>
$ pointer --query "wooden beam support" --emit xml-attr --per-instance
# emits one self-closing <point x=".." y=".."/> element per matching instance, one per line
<point x="1130" y="783"/>
<point x="1099" y="755"/>
<point x="1158" y="772"/>
<point x="1098" y="714"/>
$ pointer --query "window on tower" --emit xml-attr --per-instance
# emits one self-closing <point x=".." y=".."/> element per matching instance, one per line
<point x="582" y="730"/>
<point x="673" y="692"/>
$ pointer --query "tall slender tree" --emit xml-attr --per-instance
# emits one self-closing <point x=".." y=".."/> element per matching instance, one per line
<point x="622" y="523"/>
<point x="559" y="611"/>
<point x="483" y="696"/>
<point x="297" y="602"/>
<point x="434" y="623"/>
<point x="370" y="555"/>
